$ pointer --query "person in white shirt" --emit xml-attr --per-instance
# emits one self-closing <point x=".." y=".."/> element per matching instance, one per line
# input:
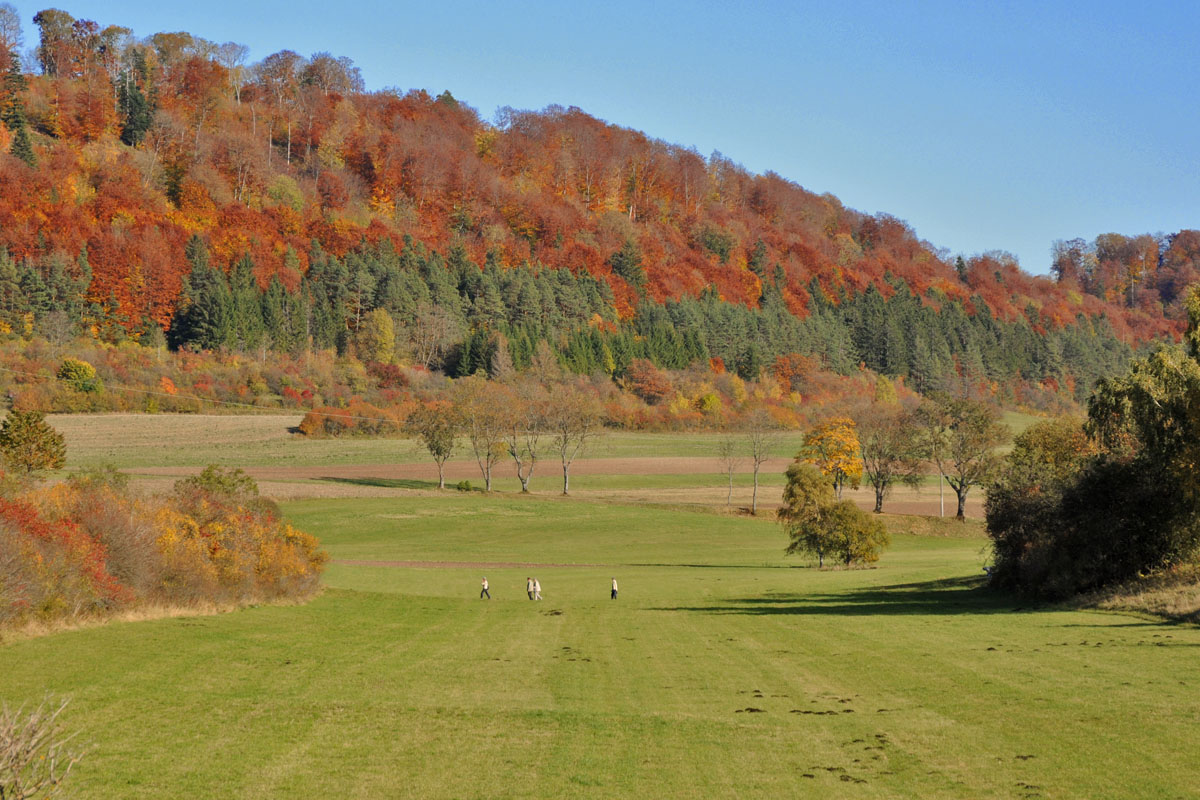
<point x="484" y="592"/>
<point x="614" y="589"/>
<point x="529" y="587"/>
<point x="537" y="589"/>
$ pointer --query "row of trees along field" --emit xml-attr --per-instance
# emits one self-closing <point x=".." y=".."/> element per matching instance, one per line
<point x="302" y="188"/>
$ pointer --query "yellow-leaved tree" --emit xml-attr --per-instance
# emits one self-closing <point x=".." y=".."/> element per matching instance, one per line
<point x="832" y="447"/>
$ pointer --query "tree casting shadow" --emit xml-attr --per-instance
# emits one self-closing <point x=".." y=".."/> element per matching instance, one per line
<point x="386" y="483"/>
<point x="946" y="596"/>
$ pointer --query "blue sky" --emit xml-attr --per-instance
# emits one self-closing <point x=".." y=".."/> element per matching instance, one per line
<point x="1001" y="125"/>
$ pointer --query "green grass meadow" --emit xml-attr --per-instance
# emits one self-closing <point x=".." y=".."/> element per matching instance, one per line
<point x="723" y="670"/>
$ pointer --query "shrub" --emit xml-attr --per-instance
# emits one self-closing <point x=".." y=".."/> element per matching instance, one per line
<point x="34" y="759"/>
<point x="79" y="375"/>
<point x="88" y="546"/>
<point x="463" y="486"/>
<point x="28" y="444"/>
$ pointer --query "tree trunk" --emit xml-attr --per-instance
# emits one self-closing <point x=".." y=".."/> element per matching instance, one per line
<point x="879" y="499"/>
<point x="566" y="479"/>
<point x="729" y="497"/>
<point x="962" y="502"/>
<point x="441" y="474"/>
<point x="487" y="478"/>
<point x="754" y="497"/>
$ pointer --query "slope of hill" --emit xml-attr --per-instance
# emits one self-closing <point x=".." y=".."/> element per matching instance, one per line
<point x="124" y="150"/>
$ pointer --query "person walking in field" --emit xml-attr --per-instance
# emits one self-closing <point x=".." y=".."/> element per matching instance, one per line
<point x="614" y="589"/>
<point x="537" y="589"/>
<point x="529" y="587"/>
<point x="484" y="591"/>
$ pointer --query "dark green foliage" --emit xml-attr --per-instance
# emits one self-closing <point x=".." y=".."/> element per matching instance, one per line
<point x="28" y="444"/>
<point x="1110" y="522"/>
<point x="717" y="242"/>
<point x="627" y="263"/>
<point x="207" y="318"/>
<point x="136" y="110"/>
<point x="938" y="349"/>
<point x="1058" y="530"/>
<point x="12" y="111"/>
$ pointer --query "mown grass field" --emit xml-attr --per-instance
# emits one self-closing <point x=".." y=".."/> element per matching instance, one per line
<point x="724" y="669"/>
<point x="166" y="440"/>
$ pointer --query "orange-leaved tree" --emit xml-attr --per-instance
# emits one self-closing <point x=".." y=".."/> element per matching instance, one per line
<point x="833" y="448"/>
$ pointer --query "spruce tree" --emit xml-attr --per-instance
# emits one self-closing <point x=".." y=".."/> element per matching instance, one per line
<point x="13" y="112"/>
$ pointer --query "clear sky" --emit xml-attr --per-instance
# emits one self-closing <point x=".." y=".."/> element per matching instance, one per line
<point x="985" y="125"/>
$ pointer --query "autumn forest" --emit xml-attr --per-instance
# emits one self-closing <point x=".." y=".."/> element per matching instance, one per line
<point x="167" y="190"/>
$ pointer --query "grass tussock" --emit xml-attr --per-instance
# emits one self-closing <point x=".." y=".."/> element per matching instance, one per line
<point x="943" y="527"/>
<point x="1171" y="594"/>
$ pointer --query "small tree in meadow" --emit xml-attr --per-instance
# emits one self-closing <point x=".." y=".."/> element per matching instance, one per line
<point x="573" y="418"/>
<point x="820" y="525"/>
<point x="437" y="425"/>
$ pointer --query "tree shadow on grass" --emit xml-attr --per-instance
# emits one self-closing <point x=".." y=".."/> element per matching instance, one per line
<point x="384" y="483"/>
<point x="948" y="596"/>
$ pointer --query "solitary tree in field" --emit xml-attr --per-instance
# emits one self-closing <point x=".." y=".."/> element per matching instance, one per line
<point x="890" y="445"/>
<point x="437" y="424"/>
<point x="961" y="437"/>
<point x="819" y="524"/>
<point x="28" y="443"/>
<point x="833" y="448"/>
<point x="573" y="418"/>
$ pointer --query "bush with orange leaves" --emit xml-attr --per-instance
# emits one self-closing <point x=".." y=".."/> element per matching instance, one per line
<point x="89" y="547"/>
<point x="357" y="419"/>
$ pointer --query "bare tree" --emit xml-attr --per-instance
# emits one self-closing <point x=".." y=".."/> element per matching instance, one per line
<point x="526" y="421"/>
<point x="232" y="56"/>
<point x="431" y="333"/>
<point x="729" y="456"/>
<point x="482" y="405"/>
<point x="573" y="419"/>
<point x="761" y="434"/>
<point x="11" y="36"/>
<point x="34" y="759"/>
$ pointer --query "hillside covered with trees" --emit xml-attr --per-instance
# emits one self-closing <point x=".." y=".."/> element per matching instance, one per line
<point x="165" y="189"/>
